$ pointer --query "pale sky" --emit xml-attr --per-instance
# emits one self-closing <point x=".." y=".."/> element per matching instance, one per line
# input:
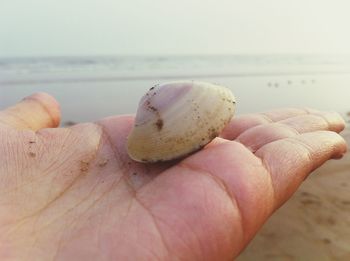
<point x="164" y="27"/>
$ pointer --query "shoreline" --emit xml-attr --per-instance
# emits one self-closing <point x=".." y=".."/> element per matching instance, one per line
<point x="114" y="77"/>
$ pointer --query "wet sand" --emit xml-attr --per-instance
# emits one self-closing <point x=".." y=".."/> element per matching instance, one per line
<point x="314" y="224"/>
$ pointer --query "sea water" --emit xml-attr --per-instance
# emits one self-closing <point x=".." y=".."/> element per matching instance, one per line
<point x="89" y="88"/>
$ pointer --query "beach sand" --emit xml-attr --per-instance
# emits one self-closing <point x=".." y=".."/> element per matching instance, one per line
<point x="314" y="224"/>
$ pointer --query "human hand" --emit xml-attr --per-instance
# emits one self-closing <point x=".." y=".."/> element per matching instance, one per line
<point x="74" y="194"/>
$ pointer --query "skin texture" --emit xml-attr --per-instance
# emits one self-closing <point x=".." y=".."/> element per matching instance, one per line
<point x="74" y="194"/>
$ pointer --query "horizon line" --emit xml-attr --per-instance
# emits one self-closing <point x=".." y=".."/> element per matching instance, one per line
<point x="170" y="55"/>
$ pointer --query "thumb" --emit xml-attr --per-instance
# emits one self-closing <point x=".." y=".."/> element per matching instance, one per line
<point x="34" y="112"/>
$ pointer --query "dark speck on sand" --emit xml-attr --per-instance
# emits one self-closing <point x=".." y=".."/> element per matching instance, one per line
<point x="69" y="123"/>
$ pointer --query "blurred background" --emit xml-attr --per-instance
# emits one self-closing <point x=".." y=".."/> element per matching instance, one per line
<point x="98" y="57"/>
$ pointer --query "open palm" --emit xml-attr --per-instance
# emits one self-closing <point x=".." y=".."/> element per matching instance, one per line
<point x="74" y="194"/>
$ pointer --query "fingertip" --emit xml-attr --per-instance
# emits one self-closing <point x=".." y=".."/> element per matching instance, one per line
<point x="344" y="148"/>
<point x="338" y="143"/>
<point x="334" y="119"/>
<point x="42" y="96"/>
<point x="49" y="104"/>
<point x="342" y="123"/>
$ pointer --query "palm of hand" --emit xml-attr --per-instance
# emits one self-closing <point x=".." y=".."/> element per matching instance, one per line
<point x="74" y="194"/>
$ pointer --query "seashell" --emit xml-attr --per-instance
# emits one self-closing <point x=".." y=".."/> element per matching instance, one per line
<point x="177" y="118"/>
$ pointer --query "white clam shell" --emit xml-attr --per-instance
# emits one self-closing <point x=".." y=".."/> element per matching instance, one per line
<point x="178" y="118"/>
